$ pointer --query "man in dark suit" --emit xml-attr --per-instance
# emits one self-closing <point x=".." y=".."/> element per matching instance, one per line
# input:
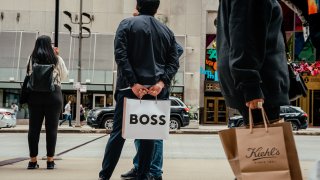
<point x="147" y="59"/>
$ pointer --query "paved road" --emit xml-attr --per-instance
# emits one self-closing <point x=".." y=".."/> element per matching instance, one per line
<point x="186" y="156"/>
<point x="177" y="146"/>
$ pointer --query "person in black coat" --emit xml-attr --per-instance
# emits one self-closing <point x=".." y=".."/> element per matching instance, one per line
<point x="252" y="65"/>
<point x="147" y="59"/>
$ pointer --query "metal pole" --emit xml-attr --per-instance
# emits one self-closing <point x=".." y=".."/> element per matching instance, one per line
<point x="56" y="25"/>
<point x="79" y="69"/>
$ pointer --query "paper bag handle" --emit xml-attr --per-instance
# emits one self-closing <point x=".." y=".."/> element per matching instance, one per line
<point x="264" y="117"/>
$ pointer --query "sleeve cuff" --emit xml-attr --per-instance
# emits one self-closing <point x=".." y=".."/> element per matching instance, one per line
<point x="165" y="80"/>
<point x="252" y="91"/>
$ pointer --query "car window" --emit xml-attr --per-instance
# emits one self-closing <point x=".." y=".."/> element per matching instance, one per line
<point x="291" y="110"/>
<point x="174" y="103"/>
<point x="296" y="109"/>
<point x="283" y="110"/>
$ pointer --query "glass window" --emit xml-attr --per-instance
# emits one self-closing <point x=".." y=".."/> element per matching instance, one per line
<point x="15" y="48"/>
<point x="97" y="57"/>
<point x="174" y="103"/>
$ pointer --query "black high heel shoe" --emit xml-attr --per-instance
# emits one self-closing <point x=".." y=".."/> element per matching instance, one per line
<point x="50" y="164"/>
<point x="33" y="165"/>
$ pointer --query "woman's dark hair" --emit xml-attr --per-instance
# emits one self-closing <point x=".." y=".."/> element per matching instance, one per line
<point x="148" y="7"/>
<point x="43" y="52"/>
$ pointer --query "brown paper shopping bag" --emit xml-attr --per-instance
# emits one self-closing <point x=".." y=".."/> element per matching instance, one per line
<point x="270" y="165"/>
<point x="262" y="153"/>
<point x="292" y="153"/>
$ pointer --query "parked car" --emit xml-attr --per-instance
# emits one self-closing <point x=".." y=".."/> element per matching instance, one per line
<point x="103" y="117"/>
<point x="293" y="114"/>
<point x="7" y="119"/>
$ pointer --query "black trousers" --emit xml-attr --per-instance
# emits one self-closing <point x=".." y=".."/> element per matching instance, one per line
<point x="44" y="106"/>
<point x="116" y="142"/>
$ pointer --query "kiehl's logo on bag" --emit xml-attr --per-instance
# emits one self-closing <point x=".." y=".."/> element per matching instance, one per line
<point x="262" y="153"/>
<point x="145" y="119"/>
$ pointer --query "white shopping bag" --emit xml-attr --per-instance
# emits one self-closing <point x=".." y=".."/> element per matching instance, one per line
<point x="145" y="119"/>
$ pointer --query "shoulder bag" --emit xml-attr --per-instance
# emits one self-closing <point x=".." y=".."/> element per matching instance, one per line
<point x="298" y="87"/>
<point x="24" y="93"/>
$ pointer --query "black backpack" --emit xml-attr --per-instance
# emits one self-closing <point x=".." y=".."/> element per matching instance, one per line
<point x="41" y="78"/>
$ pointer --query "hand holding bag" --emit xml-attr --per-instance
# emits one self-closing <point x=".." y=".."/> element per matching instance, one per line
<point x="145" y="119"/>
<point x="262" y="153"/>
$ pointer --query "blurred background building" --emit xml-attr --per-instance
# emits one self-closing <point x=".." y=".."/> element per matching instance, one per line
<point x="192" y="21"/>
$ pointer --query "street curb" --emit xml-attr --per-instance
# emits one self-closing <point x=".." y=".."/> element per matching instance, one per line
<point x="307" y="133"/>
<point x="103" y="131"/>
<point x="84" y="131"/>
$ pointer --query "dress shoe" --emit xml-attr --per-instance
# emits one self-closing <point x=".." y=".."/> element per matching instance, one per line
<point x="50" y="164"/>
<point x="33" y="165"/>
<point x="130" y="174"/>
<point x="144" y="177"/>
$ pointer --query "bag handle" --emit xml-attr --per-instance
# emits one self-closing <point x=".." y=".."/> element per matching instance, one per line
<point x="264" y="117"/>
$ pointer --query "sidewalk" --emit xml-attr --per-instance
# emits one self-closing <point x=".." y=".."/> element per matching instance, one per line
<point x="193" y="128"/>
<point x="73" y="167"/>
<point x="88" y="169"/>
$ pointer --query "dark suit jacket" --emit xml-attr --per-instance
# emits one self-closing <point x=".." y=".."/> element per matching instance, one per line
<point x="145" y="52"/>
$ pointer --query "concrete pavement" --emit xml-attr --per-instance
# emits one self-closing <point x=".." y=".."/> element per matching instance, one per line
<point x="88" y="169"/>
<point x="85" y="168"/>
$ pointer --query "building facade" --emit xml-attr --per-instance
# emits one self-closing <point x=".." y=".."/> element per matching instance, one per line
<point x="192" y="21"/>
<point x="22" y="21"/>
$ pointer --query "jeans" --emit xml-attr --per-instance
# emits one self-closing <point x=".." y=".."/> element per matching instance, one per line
<point x="116" y="142"/>
<point x="67" y="117"/>
<point x="14" y="115"/>
<point x="157" y="159"/>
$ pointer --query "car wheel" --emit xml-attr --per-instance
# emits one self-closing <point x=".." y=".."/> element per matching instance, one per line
<point x="107" y="123"/>
<point x="295" y="126"/>
<point x="174" y="124"/>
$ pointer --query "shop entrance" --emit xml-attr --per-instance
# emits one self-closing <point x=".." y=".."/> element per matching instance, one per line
<point x="316" y="108"/>
<point x="215" y="111"/>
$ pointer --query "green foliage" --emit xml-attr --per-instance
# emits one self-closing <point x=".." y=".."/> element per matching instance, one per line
<point x="193" y="111"/>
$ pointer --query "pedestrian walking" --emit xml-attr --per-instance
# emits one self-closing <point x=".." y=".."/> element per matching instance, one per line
<point x="82" y="117"/>
<point x="44" y="104"/>
<point x="147" y="59"/>
<point x="67" y="114"/>
<point x="15" y="109"/>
